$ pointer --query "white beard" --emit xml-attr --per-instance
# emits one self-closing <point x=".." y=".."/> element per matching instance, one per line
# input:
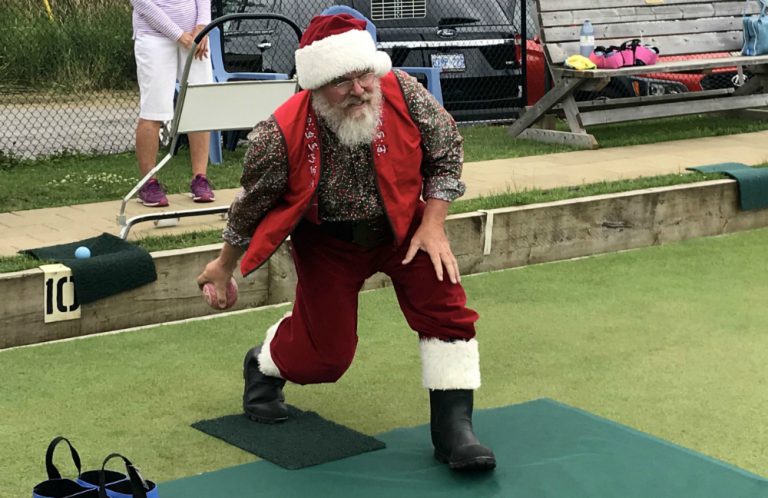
<point x="356" y="130"/>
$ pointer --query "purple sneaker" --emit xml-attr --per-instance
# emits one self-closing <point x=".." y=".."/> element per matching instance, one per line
<point x="152" y="194"/>
<point x="201" y="189"/>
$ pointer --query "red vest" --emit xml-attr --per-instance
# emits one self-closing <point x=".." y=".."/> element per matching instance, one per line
<point x="397" y="156"/>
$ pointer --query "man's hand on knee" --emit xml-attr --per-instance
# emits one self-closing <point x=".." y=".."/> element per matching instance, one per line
<point x="430" y="237"/>
<point x="432" y="240"/>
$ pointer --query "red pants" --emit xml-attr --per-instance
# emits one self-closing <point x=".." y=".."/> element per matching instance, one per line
<point x="317" y="342"/>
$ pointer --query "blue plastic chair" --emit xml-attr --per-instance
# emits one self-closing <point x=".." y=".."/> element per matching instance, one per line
<point x="431" y="74"/>
<point x="343" y="9"/>
<point x="221" y="75"/>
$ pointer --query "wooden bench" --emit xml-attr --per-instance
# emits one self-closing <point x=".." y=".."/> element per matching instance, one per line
<point x="676" y="27"/>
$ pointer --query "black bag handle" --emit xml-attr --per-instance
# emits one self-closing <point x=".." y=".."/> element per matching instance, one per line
<point x="53" y="472"/>
<point x="138" y="484"/>
<point x="630" y="44"/>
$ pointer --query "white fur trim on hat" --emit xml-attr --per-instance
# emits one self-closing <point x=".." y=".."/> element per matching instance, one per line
<point x="337" y="55"/>
<point x="266" y="363"/>
<point x="450" y="365"/>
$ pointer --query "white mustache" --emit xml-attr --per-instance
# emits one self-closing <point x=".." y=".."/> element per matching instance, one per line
<point x="354" y="100"/>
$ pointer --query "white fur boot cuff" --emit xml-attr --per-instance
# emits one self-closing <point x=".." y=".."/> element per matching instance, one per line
<point x="450" y="365"/>
<point x="266" y="364"/>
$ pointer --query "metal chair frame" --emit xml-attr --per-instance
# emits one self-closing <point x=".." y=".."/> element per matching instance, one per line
<point x="276" y="91"/>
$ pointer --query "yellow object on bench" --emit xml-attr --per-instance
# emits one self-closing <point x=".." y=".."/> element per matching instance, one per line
<point x="580" y="63"/>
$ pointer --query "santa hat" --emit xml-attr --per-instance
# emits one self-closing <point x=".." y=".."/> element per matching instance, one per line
<point x="333" y="46"/>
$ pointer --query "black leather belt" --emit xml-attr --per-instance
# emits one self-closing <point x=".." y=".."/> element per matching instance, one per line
<point x="365" y="233"/>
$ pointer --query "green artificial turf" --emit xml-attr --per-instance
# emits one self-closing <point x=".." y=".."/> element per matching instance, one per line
<point x="669" y="340"/>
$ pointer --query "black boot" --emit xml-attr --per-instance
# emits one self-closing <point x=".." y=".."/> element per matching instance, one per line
<point x="452" y="435"/>
<point x="263" y="398"/>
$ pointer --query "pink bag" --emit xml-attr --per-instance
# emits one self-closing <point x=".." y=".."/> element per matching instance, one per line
<point x="607" y="58"/>
<point x="645" y="55"/>
<point x="635" y="53"/>
<point x="627" y="55"/>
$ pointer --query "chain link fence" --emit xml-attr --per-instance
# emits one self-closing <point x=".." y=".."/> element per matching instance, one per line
<point x="475" y="44"/>
<point x="67" y="77"/>
<point x="68" y="82"/>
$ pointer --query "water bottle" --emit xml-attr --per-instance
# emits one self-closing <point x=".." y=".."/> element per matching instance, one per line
<point x="587" y="39"/>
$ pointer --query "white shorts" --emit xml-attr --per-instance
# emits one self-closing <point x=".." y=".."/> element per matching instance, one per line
<point x="159" y="63"/>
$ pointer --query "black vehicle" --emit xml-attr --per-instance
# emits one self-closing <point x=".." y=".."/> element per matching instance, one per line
<point x="473" y="42"/>
<point x="260" y="46"/>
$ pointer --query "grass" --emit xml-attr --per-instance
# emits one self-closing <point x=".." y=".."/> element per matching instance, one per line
<point x="640" y="337"/>
<point x="485" y="143"/>
<point x="77" y="179"/>
<point x="19" y="263"/>
<point x="86" y="45"/>
<point x="533" y="196"/>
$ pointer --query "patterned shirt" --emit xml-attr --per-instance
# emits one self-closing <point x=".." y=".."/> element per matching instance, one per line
<point x="347" y="189"/>
<point x="169" y="18"/>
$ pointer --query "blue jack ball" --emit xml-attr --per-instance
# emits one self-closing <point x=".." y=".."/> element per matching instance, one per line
<point x="82" y="252"/>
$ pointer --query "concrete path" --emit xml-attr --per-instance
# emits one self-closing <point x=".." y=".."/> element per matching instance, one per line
<point x="43" y="227"/>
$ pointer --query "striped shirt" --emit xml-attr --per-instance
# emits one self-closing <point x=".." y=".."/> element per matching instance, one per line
<point x="169" y="18"/>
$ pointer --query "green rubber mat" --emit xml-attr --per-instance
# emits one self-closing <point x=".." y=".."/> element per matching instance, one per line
<point x="753" y="182"/>
<point x="544" y="450"/>
<point x="305" y="439"/>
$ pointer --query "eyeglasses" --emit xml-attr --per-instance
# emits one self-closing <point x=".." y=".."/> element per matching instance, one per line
<point x="345" y="85"/>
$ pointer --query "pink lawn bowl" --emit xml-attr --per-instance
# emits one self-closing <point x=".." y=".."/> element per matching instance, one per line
<point x="209" y="294"/>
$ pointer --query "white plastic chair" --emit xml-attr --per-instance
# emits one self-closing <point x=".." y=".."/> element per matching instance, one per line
<point x="221" y="75"/>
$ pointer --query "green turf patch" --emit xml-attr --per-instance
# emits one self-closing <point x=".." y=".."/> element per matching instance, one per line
<point x="544" y="449"/>
<point x="669" y="340"/>
<point x="753" y="182"/>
